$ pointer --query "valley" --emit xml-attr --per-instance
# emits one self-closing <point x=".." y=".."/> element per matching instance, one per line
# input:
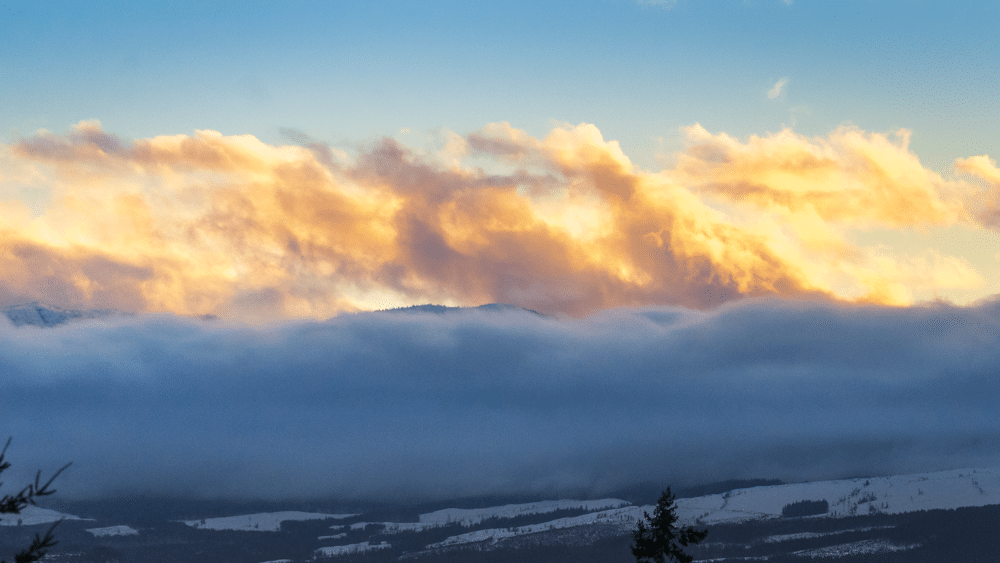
<point x="913" y="518"/>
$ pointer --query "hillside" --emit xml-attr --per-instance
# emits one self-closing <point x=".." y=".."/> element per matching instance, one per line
<point x="892" y="517"/>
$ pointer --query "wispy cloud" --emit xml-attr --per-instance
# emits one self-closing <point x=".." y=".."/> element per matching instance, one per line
<point x="208" y="223"/>
<point x="777" y="89"/>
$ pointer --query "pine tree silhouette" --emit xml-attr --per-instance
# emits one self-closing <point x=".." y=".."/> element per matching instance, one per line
<point x="657" y="539"/>
<point x="14" y="504"/>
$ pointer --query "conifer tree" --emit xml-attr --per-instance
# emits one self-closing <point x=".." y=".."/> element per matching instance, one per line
<point x="657" y="539"/>
<point x="14" y="504"/>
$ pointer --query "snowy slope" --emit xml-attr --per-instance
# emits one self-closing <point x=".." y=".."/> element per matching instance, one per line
<point x="32" y="515"/>
<point x="864" y="547"/>
<point x="350" y="548"/>
<point x="471" y="516"/>
<point x="891" y="495"/>
<point x="624" y="517"/>
<point x="896" y="494"/>
<point x="261" y="522"/>
<point x="445" y="309"/>
<point x="113" y="531"/>
<point x="809" y="535"/>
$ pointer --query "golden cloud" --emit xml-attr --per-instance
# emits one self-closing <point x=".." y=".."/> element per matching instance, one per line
<point x="230" y="225"/>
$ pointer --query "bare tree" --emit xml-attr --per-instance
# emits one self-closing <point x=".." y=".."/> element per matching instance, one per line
<point x="14" y="504"/>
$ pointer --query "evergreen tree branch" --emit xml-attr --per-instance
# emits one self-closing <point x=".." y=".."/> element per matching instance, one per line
<point x="14" y="504"/>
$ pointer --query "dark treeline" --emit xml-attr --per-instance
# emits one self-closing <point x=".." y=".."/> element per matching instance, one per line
<point x="805" y="508"/>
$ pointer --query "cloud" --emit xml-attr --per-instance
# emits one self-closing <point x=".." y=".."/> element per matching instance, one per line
<point x="814" y="191"/>
<point x="778" y="88"/>
<point x="435" y="406"/>
<point x="229" y="225"/>
<point x="984" y="169"/>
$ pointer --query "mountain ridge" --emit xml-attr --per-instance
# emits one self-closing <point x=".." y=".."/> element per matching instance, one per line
<point x="36" y="313"/>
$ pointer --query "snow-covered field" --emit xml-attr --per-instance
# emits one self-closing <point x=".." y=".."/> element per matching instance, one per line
<point x="863" y="547"/>
<point x="890" y="495"/>
<point x="624" y="517"/>
<point x="113" y="531"/>
<point x="809" y="535"/>
<point x="32" y="515"/>
<point x="351" y="548"/>
<point x="896" y="494"/>
<point x="471" y="516"/>
<point x="261" y="522"/>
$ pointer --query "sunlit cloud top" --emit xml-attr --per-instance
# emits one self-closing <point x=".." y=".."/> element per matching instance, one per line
<point x="229" y="225"/>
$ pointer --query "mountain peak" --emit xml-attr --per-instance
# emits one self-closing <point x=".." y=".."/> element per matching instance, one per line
<point x="48" y="316"/>
<point x="444" y="309"/>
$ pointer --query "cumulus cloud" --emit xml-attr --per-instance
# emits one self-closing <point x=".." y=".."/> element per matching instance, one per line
<point x="812" y="191"/>
<point x="440" y="405"/>
<point x="984" y="169"/>
<point x="778" y="88"/>
<point x="229" y="225"/>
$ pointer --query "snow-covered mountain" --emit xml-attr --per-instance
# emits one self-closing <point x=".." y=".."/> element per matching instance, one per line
<point x="444" y="309"/>
<point x="47" y="316"/>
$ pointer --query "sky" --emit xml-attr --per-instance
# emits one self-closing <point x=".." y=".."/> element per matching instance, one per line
<point x="761" y="170"/>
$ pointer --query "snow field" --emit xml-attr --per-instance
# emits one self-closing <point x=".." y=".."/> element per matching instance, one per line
<point x="261" y="522"/>
<point x="32" y="515"/>
<point x="351" y="548"/>
<point x="856" y="548"/>
<point x="113" y="531"/>
<point x="892" y="495"/>
<point x="468" y="517"/>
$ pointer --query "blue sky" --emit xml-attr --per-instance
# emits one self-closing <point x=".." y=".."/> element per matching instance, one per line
<point x="355" y="70"/>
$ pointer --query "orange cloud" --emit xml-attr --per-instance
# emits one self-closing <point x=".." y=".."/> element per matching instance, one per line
<point x="850" y="177"/>
<point x="231" y="225"/>
<point x="985" y="169"/>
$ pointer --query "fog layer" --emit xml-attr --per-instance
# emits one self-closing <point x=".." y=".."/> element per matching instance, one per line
<point x="391" y="405"/>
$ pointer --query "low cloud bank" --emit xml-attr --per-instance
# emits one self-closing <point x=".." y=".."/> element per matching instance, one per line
<point x="424" y="405"/>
